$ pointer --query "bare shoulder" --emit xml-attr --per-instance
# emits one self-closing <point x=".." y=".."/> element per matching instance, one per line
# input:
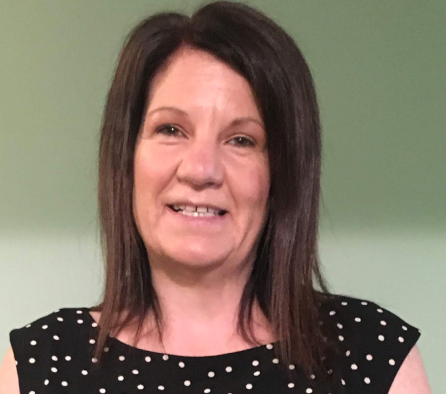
<point x="9" y="381"/>
<point x="411" y="377"/>
<point x="96" y="315"/>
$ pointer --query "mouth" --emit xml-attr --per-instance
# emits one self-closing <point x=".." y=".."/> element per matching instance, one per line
<point x="197" y="211"/>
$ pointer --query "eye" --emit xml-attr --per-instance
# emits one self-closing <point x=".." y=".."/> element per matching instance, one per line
<point x="242" y="141"/>
<point x="168" y="130"/>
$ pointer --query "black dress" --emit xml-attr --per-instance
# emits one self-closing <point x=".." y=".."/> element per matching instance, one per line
<point x="54" y="356"/>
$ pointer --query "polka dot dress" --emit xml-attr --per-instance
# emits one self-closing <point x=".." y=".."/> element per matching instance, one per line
<point x="54" y="356"/>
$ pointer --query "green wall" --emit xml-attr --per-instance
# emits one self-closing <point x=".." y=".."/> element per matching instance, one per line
<point x="379" y="72"/>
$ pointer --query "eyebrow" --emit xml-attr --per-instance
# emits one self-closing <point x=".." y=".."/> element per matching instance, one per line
<point x="235" y="122"/>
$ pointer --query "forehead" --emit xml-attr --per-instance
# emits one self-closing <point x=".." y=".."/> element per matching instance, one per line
<point x="194" y="77"/>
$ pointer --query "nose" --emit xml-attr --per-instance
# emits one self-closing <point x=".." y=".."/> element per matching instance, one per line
<point x="201" y="164"/>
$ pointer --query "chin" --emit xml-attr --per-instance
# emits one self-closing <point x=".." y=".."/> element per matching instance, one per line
<point x="198" y="256"/>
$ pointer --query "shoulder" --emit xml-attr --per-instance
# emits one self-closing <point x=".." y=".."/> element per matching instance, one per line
<point x="20" y="338"/>
<point x="411" y="377"/>
<point x="374" y="342"/>
<point x="362" y="322"/>
<point x="363" y="325"/>
<point x="9" y="382"/>
<point x="37" y="345"/>
<point x="49" y="328"/>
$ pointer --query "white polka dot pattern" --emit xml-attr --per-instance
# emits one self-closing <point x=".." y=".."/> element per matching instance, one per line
<point x="56" y="351"/>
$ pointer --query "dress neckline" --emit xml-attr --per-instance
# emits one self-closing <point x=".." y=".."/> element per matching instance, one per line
<point x="147" y="353"/>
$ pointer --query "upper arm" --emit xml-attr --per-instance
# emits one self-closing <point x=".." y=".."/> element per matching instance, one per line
<point x="411" y="377"/>
<point x="9" y="381"/>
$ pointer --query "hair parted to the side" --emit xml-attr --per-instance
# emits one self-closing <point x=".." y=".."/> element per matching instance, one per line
<point x="287" y="263"/>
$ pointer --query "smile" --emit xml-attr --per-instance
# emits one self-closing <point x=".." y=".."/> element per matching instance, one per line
<point x="197" y="211"/>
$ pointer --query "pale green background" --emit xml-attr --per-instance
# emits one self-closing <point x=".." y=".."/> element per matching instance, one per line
<point x="379" y="68"/>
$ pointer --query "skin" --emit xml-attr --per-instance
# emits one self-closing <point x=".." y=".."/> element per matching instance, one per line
<point x="201" y="161"/>
<point x="199" y="272"/>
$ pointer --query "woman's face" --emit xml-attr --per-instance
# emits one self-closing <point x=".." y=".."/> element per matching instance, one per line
<point x="202" y="143"/>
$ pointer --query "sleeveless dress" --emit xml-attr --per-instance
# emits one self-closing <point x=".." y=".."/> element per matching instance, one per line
<point x="54" y="356"/>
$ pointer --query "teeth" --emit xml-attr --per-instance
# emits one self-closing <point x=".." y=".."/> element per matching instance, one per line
<point x="214" y="211"/>
<point x="191" y="210"/>
<point x="196" y="214"/>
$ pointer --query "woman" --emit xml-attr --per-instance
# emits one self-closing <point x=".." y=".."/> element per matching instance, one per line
<point x="209" y="183"/>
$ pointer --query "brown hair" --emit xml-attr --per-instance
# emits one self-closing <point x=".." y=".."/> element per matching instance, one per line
<point x="287" y="259"/>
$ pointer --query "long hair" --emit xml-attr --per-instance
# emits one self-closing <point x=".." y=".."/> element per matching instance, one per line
<point x="286" y="268"/>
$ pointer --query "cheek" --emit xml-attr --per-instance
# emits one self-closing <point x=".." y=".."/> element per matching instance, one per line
<point x="150" y="169"/>
<point x="253" y="187"/>
<point x="149" y="180"/>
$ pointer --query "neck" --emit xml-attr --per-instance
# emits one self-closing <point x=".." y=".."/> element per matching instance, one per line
<point x="200" y="306"/>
